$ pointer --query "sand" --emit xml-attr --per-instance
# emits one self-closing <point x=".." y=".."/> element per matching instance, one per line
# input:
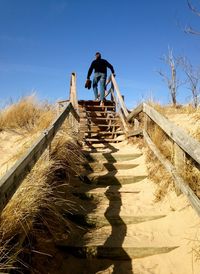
<point x="180" y="227"/>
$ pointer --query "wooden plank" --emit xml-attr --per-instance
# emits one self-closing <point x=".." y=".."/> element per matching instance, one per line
<point x="12" y="179"/>
<point x="179" y="136"/>
<point x="119" y="96"/>
<point x="108" y="80"/>
<point x="121" y="116"/>
<point x="180" y="183"/>
<point x="134" y="112"/>
<point x="134" y="133"/>
<point x="179" y="161"/>
<point x="73" y="93"/>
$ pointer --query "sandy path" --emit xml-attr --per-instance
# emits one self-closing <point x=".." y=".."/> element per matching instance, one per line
<point x="158" y="238"/>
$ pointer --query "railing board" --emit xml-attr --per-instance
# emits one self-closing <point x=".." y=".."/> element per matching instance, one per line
<point x="179" y="136"/>
<point x="120" y="111"/>
<point x="73" y="93"/>
<point x="123" y="106"/>
<point x="134" y="112"/>
<point x="12" y="179"/>
<point x="135" y="132"/>
<point x="180" y="183"/>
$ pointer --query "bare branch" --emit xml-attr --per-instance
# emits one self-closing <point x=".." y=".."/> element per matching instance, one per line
<point x="193" y="77"/>
<point x="190" y="30"/>
<point x="192" y="8"/>
<point x="172" y="81"/>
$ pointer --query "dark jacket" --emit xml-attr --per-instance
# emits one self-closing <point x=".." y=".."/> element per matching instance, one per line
<point x="99" y="65"/>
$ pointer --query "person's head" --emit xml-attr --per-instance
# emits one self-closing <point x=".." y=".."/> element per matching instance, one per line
<point x="98" y="55"/>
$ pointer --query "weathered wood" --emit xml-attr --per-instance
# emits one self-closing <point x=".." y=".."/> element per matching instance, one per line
<point x="134" y="112"/>
<point x="73" y="94"/>
<point x="179" y="161"/>
<point x="121" y="101"/>
<point x="179" y="136"/>
<point x="120" y="112"/>
<point x="136" y="124"/>
<point x="134" y="133"/>
<point x="180" y="183"/>
<point x="12" y="179"/>
<point x="108" y="80"/>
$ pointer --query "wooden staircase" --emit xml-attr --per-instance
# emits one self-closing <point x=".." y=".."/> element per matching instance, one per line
<point x="120" y="231"/>
<point x="99" y="124"/>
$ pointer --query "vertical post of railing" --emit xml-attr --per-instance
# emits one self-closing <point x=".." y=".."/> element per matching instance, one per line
<point x="112" y="92"/>
<point x="123" y="106"/>
<point x="73" y="93"/>
<point x="146" y="122"/>
<point x="74" y="101"/>
<point x="179" y="162"/>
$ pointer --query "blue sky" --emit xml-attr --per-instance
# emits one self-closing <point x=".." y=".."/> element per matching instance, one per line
<point x="43" y="41"/>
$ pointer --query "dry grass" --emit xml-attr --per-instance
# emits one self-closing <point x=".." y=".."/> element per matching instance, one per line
<point x="170" y="109"/>
<point x="27" y="114"/>
<point x="161" y="140"/>
<point x="158" y="174"/>
<point x="191" y="175"/>
<point x="39" y="204"/>
<point x="40" y="201"/>
<point x="191" y="172"/>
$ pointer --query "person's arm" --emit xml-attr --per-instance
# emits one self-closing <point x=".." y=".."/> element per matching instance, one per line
<point x="110" y="67"/>
<point x="90" y="70"/>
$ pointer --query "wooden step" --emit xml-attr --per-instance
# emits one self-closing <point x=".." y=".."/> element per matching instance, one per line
<point x="100" y="125"/>
<point x="98" y="108"/>
<point x="101" y="166"/>
<point x="99" y="118"/>
<point x="111" y="157"/>
<point x="93" y="220"/>
<point x="93" y="102"/>
<point x="102" y="132"/>
<point x="97" y="127"/>
<point x="115" y="252"/>
<point x="110" y="179"/>
<point x="83" y="111"/>
<point x="101" y="140"/>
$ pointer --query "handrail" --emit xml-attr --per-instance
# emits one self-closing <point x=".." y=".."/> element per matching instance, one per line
<point x="180" y="183"/>
<point x="182" y="142"/>
<point x="10" y="182"/>
<point x="73" y="92"/>
<point x="179" y="136"/>
<point x="134" y="112"/>
<point x="117" y="98"/>
<point x="119" y="110"/>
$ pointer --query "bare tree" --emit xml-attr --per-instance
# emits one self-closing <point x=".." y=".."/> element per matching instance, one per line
<point x="193" y="79"/>
<point x="196" y="11"/>
<point x="172" y="81"/>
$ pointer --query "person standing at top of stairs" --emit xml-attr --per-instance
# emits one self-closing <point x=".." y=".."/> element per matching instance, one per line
<point x="99" y="66"/>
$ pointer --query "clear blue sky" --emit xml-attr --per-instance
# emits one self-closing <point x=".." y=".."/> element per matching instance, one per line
<point x="43" y="41"/>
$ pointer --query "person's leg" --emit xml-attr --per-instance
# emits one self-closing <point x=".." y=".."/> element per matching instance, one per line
<point x="102" y="86"/>
<point x="94" y="85"/>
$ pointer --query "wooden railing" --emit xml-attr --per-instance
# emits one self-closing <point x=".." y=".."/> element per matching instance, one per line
<point x="10" y="182"/>
<point x="73" y="91"/>
<point x="117" y="98"/>
<point x="184" y="148"/>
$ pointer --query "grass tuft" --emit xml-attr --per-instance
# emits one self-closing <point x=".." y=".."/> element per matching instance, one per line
<point x="27" y="114"/>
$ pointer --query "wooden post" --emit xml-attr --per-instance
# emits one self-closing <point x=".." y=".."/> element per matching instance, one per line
<point x="179" y="163"/>
<point x="73" y="95"/>
<point x="136" y="124"/>
<point x="112" y="92"/>
<point x="121" y="101"/>
<point x="146" y="122"/>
